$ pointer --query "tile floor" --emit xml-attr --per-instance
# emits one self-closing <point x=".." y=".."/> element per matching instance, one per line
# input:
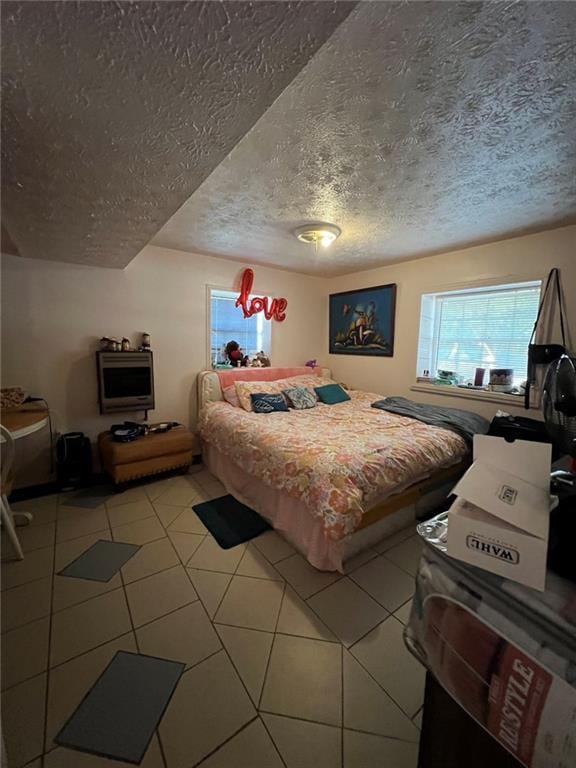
<point x="285" y="666"/>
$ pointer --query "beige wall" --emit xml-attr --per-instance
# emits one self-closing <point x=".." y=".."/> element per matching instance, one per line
<point x="522" y="258"/>
<point x="54" y="313"/>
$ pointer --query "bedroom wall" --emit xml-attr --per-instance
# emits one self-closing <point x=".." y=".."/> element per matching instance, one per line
<point x="53" y="315"/>
<point x="522" y="258"/>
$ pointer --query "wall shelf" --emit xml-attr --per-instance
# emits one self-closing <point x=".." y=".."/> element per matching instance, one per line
<point x="502" y="398"/>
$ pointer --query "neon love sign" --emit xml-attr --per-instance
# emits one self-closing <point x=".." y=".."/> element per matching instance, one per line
<point x="251" y="306"/>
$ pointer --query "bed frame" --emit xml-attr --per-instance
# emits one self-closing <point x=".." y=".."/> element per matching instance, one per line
<point x="384" y="518"/>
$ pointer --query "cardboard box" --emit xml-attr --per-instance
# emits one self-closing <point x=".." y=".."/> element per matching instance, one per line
<point x="500" y="520"/>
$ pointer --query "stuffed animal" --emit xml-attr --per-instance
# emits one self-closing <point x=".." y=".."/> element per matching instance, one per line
<point x="235" y="354"/>
<point x="263" y="360"/>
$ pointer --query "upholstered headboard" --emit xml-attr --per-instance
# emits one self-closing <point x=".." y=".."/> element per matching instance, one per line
<point x="209" y="389"/>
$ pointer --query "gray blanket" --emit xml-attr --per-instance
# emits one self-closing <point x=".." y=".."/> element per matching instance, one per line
<point x="464" y="423"/>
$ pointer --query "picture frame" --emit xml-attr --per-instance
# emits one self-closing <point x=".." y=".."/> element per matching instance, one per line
<point x="361" y="322"/>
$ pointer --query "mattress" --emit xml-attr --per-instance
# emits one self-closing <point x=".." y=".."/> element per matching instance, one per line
<point x="338" y="460"/>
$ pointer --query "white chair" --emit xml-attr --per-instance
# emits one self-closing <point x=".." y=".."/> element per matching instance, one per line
<point x="7" y="461"/>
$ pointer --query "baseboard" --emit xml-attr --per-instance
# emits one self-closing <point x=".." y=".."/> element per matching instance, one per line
<point x="33" y="491"/>
<point x="45" y="489"/>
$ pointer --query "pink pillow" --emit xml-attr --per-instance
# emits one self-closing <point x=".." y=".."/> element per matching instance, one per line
<point x="231" y="397"/>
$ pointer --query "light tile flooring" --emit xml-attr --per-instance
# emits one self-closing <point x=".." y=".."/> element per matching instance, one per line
<point x="285" y="666"/>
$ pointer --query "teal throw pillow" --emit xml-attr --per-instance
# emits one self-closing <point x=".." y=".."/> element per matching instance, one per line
<point x="330" y="394"/>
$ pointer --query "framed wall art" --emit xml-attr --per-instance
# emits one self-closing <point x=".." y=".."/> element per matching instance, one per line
<point x="362" y="321"/>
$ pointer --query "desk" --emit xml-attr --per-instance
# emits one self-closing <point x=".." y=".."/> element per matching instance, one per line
<point x="25" y="420"/>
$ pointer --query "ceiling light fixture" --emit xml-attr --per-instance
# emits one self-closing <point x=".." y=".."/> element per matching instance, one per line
<point x="315" y="234"/>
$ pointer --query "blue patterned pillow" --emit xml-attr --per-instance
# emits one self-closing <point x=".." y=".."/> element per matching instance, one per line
<point x="300" y="398"/>
<point x="263" y="403"/>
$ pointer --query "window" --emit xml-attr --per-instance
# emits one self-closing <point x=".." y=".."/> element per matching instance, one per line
<point x="227" y="323"/>
<point x="486" y="327"/>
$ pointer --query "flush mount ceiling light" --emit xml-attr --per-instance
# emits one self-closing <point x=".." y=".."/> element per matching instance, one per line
<point x="318" y="234"/>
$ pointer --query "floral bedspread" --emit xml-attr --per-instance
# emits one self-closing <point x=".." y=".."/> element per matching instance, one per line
<point x="337" y="459"/>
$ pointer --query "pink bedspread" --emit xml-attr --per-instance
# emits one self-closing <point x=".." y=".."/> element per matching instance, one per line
<point x="336" y="459"/>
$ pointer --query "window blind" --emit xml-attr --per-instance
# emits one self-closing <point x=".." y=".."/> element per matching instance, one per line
<point x="228" y="323"/>
<point x="487" y="328"/>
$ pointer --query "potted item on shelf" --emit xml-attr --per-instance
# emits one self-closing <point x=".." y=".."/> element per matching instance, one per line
<point x="446" y="377"/>
<point x="106" y="344"/>
<point x="479" y="377"/>
<point x="145" y="343"/>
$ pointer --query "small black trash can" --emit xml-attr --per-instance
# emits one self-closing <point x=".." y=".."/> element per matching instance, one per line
<point x="73" y="461"/>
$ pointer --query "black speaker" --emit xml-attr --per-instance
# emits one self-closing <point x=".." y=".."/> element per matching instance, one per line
<point x="73" y="461"/>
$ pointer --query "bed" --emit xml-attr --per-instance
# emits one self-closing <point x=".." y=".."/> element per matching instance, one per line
<point x="334" y="479"/>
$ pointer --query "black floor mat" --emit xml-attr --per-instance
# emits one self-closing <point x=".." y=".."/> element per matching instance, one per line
<point x="101" y="561"/>
<point x="120" y="713"/>
<point x="230" y="522"/>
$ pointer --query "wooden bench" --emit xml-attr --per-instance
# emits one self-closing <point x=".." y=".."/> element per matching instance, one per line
<point x="149" y="455"/>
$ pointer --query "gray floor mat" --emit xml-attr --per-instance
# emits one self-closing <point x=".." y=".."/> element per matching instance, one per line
<point x="89" y="498"/>
<point x="121" y="712"/>
<point x="101" y="561"/>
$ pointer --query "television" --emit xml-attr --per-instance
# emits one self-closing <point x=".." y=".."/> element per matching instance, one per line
<point x="125" y="381"/>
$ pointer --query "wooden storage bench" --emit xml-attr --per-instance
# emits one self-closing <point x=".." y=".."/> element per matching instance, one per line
<point x="148" y="455"/>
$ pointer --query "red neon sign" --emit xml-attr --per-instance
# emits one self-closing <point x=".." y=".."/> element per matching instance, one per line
<point x="251" y="306"/>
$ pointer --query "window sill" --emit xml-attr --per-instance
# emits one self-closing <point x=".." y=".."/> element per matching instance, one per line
<point x="502" y="398"/>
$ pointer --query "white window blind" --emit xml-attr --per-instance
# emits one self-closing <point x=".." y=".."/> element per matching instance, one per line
<point x="480" y="327"/>
<point x="227" y="323"/>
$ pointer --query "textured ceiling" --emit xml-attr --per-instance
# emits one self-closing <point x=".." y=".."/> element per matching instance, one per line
<point x="418" y="127"/>
<point x="115" y="112"/>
